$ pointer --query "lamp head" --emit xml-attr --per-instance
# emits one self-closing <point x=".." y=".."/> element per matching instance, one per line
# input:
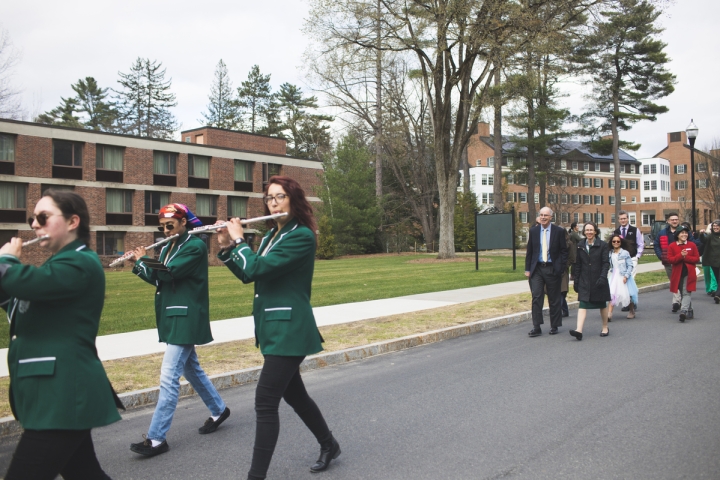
<point x="691" y="131"/>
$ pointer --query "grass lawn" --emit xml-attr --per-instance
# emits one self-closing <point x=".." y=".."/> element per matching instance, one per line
<point x="129" y="301"/>
<point x="135" y="373"/>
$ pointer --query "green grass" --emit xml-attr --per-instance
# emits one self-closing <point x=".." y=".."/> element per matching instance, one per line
<point x="129" y="301"/>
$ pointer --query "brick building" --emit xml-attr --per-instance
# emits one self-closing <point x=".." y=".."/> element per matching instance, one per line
<point x="125" y="179"/>
<point x="581" y="190"/>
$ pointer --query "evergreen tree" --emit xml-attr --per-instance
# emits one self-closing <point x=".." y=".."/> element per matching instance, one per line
<point x="465" y="209"/>
<point x="326" y="247"/>
<point x="223" y="109"/>
<point x="307" y="135"/>
<point x="348" y="195"/>
<point x="63" y="115"/>
<point x="254" y="97"/>
<point x="272" y="120"/>
<point x="145" y="101"/>
<point x="626" y="64"/>
<point x="92" y="101"/>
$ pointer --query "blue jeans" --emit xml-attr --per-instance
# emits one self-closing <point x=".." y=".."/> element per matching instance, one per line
<point x="181" y="360"/>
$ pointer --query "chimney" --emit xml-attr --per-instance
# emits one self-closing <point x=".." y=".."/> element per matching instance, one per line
<point x="483" y="129"/>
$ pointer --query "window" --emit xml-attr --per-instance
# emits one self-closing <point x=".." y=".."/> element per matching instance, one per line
<point x="563" y="181"/>
<point x="237" y="207"/>
<point x="632" y="169"/>
<point x="611" y="200"/>
<point x="633" y="184"/>
<point x="243" y="171"/>
<point x="587" y="199"/>
<point x="510" y="197"/>
<point x="487" y="179"/>
<point x="680" y="169"/>
<point x="701" y="167"/>
<point x="564" y="198"/>
<point x="523" y="197"/>
<point x="587" y="217"/>
<point x="154" y="201"/>
<point x="110" y="243"/>
<point x="164" y="163"/>
<point x="565" y="217"/>
<point x="523" y="217"/>
<point x="598" y="183"/>
<point x="7" y="148"/>
<point x="118" y="201"/>
<point x="536" y="197"/>
<point x="109" y="158"/>
<point x="576" y="217"/>
<point x="653" y="168"/>
<point x="664" y="169"/>
<point x="633" y="218"/>
<point x="586" y="166"/>
<point x="646" y="199"/>
<point x="586" y="183"/>
<point x="206" y="206"/>
<point x="472" y="180"/>
<point x="67" y="154"/>
<point x="574" y="165"/>
<point x="676" y="136"/>
<point x="563" y="165"/>
<point x="510" y="179"/>
<point x="198" y="166"/>
<point x="13" y="197"/>
<point x="552" y="198"/>
<point x="478" y="163"/>
<point x="491" y="161"/>
<point x="646" y="169"/>
<point x="575" y="182"/>
<point x="188" y="139"/>
<point x="611" y="183"/>
<point x="681" y="199"/>
<point x="600" y="218"/>
<point x="634" y="199"/>
<point x="269" y="170"/>
<point x="701" y="183"/>
<point x="510" y="162"/>
<point x="653" y="185"/>
<point x="653" y="199"/>
<point x="576" y="199"/>
<point x="597" y="166"/>
<point x="487" y="198"/>
<point x="647" y="219"/>
<point x="646" y="185"/>
<point x="598" y="200"/>
<point x="623" y="184"/>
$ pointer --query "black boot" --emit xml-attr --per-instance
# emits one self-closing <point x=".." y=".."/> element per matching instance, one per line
<point x="328" y="451"/>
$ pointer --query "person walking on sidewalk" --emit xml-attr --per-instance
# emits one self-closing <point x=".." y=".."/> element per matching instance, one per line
<point x="683" y="256"/>
<point x="661" y="244"/>
<point x="182" y="316"/>
<point x="623" y="291"/>
<point x="633" y="238"/>
<point x="591" y="279"/>
<point x="285" y="327"/>
<point x="58" y="387"/>
<point x="545" y="259"/>
<point x="711" y="254"/>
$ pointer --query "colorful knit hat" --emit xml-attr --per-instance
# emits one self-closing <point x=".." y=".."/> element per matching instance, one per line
<point x="179" y="210"/>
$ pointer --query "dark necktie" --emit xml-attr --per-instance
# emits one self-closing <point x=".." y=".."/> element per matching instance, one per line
<point x="624" y="232"/>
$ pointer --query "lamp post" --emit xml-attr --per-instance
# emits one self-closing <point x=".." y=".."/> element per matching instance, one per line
<point x="692" y="133"/>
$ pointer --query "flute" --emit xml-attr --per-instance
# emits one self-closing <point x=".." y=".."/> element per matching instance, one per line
<point x="195" y="231"/>
<point x="35" y="240"/>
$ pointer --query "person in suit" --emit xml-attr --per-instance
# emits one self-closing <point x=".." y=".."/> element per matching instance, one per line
<point x="183" y="321"/>
<point x="545" y="260"/>
<point x="285" y="327"/>
<point x="591" y="279"/>
<point x="58" y="387"/>
<point x="633" y="238"/>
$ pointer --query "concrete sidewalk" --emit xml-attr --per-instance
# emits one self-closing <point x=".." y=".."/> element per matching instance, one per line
<point x="145" y="342"/>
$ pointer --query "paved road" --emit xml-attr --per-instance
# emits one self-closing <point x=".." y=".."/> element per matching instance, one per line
<point x="643" y="403"/>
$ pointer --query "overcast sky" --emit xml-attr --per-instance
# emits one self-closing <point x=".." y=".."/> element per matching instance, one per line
<point x="61" y="42"/>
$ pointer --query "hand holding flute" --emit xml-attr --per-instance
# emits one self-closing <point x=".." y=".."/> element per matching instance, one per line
<point x="15" y="245"/>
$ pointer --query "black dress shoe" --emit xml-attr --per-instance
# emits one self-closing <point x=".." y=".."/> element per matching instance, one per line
<point x="716" y="298"/>
<point x="683" y="316"/>
<point x="606" y="333"/>
<point x="327" y="453"/>
<point x="553" y="331"/>
<point x="675" y="307"/>
<point x="576" y="334"/>
<point x="212" y="425"/>
<point x="626" y="309"/>
<point x="566" y="314"/>
<point x="535" y="332"/>
<point x="145" y="447"/>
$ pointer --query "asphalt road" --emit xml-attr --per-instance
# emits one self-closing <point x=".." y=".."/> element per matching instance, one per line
<point x="643" y="403"/>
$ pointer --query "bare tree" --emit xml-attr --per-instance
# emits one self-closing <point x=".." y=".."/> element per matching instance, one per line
<point x="10" y="104"/>
<point x="707" y="177"/>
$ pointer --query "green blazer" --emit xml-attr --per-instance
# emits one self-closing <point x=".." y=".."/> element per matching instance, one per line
<point x="284" y="320"/>
<point x="182" y="311"/>
<point x="56" y="378"/>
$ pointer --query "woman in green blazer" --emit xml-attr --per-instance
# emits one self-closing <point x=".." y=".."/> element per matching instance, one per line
<point x="58" y="387"/>
<point x="285" y="327"/>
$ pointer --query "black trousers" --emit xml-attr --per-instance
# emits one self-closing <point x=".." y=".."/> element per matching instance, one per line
<point x="280" y="379"/>
<point x="43" y="454"/>
<point x="544" y="279"/>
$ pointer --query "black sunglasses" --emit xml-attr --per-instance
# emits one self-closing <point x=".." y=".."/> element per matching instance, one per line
<point x="167" y="226"/>
<point x="40" y="217"/>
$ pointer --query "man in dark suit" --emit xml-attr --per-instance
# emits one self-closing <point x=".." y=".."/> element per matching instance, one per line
<point x="545" y="260"/>
<point x="634" y="238"/>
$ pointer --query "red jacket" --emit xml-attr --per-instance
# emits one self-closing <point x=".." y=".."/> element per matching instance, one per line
<point x="676" y="259"/>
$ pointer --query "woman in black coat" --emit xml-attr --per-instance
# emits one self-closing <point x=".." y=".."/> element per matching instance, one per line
<point x="590" y="272"/>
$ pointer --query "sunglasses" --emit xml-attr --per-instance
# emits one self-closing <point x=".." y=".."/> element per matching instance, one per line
<point x="167" y="226"/>
<point x="616" y="241"/>
<point x="41" y="218"/>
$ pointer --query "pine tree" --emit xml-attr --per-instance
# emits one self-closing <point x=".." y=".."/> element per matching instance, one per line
<point x="307" y="135"/>
<point x="223" y="109"/>
<point x="145" y="101"/>
<point x="326" y="248"/>
<point x="254" y="97"/>
<point x="63" y="115"/>
<point x="92" y="101"/>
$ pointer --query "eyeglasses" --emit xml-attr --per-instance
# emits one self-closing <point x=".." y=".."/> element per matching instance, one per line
<point x="279" y="198"/>
<point x="41" y="218"/>
<point x="616" y="241"/>
<point x="167" y="226"/>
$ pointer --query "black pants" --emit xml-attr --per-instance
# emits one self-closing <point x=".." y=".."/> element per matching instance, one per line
<point x="43" y="454"/>
<point x="280" y="378"/>
<point x="542" y="279"/>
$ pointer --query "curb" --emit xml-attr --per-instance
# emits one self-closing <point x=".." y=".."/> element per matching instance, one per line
<point x="149" y="396"/>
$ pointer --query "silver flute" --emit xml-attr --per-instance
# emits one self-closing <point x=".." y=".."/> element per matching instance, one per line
<point x="35" y="240"/>
<point x="194" y="231"/>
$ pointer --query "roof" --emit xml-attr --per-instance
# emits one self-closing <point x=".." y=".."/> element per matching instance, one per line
<point x="563" y="149"/>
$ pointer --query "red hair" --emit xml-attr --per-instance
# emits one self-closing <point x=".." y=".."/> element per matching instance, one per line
<point x="300" y="207"/>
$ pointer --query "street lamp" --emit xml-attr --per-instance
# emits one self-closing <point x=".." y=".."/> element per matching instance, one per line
<point x="692" y="133"/>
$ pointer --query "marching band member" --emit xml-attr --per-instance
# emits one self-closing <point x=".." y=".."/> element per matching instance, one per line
<point x="58" y="388"/>
<point x="182" y="316"/>
<point x="284" y="323"/>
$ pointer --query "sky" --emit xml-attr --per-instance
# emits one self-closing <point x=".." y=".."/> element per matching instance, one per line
<point x="61" y="42"/>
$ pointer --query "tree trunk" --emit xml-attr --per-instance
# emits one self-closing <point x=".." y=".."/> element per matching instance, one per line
<point x="448" y="196"/>
<point x="497" y="146"/>
<point x="531" y="163"/>
<point x="378" y="111"/>
<point x="616" y="156"/>
<point x="466" y="171"/>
